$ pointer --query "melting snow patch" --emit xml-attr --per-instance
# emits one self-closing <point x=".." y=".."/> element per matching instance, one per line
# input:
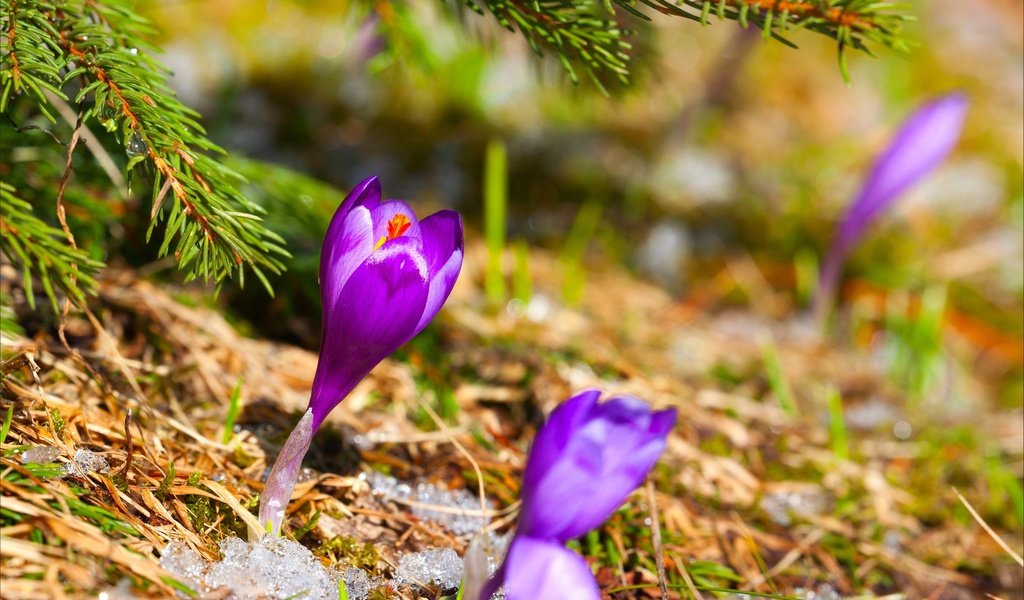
<point x="868" y="415"/>
<point x="185" y="565"/>
<point x="455" y="508"/>
<point x="40" y="455"/>
<point x="357" y="583"/>
<point x="785" y="505"/>
<point x="122" y="591"/>
<point x="273" y="568"/>
<point x="86" y="461"/>
<point x="441" y="567"/>
<point x="824" y="591"/>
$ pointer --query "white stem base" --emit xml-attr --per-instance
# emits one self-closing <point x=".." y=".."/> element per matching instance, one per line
<point x="281" y="481"/>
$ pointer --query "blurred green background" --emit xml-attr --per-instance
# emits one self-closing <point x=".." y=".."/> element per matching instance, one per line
<point x="719" y="174"/>
<point x="725" y="145"/>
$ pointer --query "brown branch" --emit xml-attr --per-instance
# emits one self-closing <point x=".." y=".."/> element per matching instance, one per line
<point x="805" y="10"/>
<point x="124" y="472"/>
<point x="62" y="218"/>
<point x="126" y="108"/>
<point x="61" y="213"/>
<point x="836" y="16"/>
<point x="15" y="69"/>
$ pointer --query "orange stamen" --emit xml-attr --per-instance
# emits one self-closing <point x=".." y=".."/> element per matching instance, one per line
<point x="397" y="226"/>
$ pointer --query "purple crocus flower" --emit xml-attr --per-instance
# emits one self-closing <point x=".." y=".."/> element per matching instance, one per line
<point x="384" y="274"/>
<point x="923" y="142"/>
<point x="584" y="462"/>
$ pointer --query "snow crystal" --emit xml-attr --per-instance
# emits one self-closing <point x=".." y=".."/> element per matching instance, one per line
<point x="122" y="591"/>
<point x="893" y="541"/>
<point x="306" y="474"/>
<point x="458" y="522"/>
<point x="824" y="591"/>
<point x="184" y="564"/>
<point x="870" y="414"/>
<point x="663" y="252"/>
<point x="40" y="455"/>
<point x="86" y="461"/>
<point x="783" y="505"/>
<point x="357" y="583"/>
<point x="282" y="568"/>
<point x="443" y="567"/>
<point x="274" y="568"/>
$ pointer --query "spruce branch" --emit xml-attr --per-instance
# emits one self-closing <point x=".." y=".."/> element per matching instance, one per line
<point x="578" y="34"/>
<point x="100" y="49"/>
<point x="30" y="59"/>
<point x="586" y="34"/>
<point x="42" y="252"/>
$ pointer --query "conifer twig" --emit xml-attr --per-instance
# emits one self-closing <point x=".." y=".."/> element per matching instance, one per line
<point x="98" y="51"/>
<point x="591" y="35"/>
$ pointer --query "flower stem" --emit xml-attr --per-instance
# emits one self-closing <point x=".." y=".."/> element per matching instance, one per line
<point x="278" y="489"/>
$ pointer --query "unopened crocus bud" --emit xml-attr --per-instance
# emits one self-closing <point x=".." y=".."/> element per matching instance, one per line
<point x="924" y="141"/>
<point x="584" y="463"/>
<point x="537" y="568"/>
<point x="384" y="274"/>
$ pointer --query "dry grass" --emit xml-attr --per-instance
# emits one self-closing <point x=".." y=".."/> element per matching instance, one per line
<point x="174" y="365"/>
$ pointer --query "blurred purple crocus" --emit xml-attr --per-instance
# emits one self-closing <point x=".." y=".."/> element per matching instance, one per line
<point x="584" y="462"/>
<point x="924" y="141"/>
<point x="384" y="274"/>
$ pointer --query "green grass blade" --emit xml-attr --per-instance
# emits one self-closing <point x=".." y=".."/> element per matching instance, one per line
<point x="234" y="407"/>
<point x="776" y="381"/>
<point x="495" y="218"/>
<point x="836" y="426"/>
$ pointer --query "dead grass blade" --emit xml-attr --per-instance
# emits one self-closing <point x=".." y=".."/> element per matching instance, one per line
<point x="995" y="536"/>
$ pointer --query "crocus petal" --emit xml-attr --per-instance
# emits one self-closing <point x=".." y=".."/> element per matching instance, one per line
<point x="442" y="237"/>
<point x="443" y="249"/>
<point x="553" y="437"/>
<point x="350" y="246"/>
<point x="662" y="423"/>
<point x="366" y="195"/>
<point x="620" y="474"/>
<point x="440" y="288"/>
<point x="923" y="142"/>
<point x="598" y="454"/>
<point x="544" y="569"/>
<point x="376" y="312"/>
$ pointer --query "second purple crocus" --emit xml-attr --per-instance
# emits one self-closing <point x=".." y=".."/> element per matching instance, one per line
<point x="585" y="461"/>
<point x="923" y="142"/>
<point x="384" y="274"/>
